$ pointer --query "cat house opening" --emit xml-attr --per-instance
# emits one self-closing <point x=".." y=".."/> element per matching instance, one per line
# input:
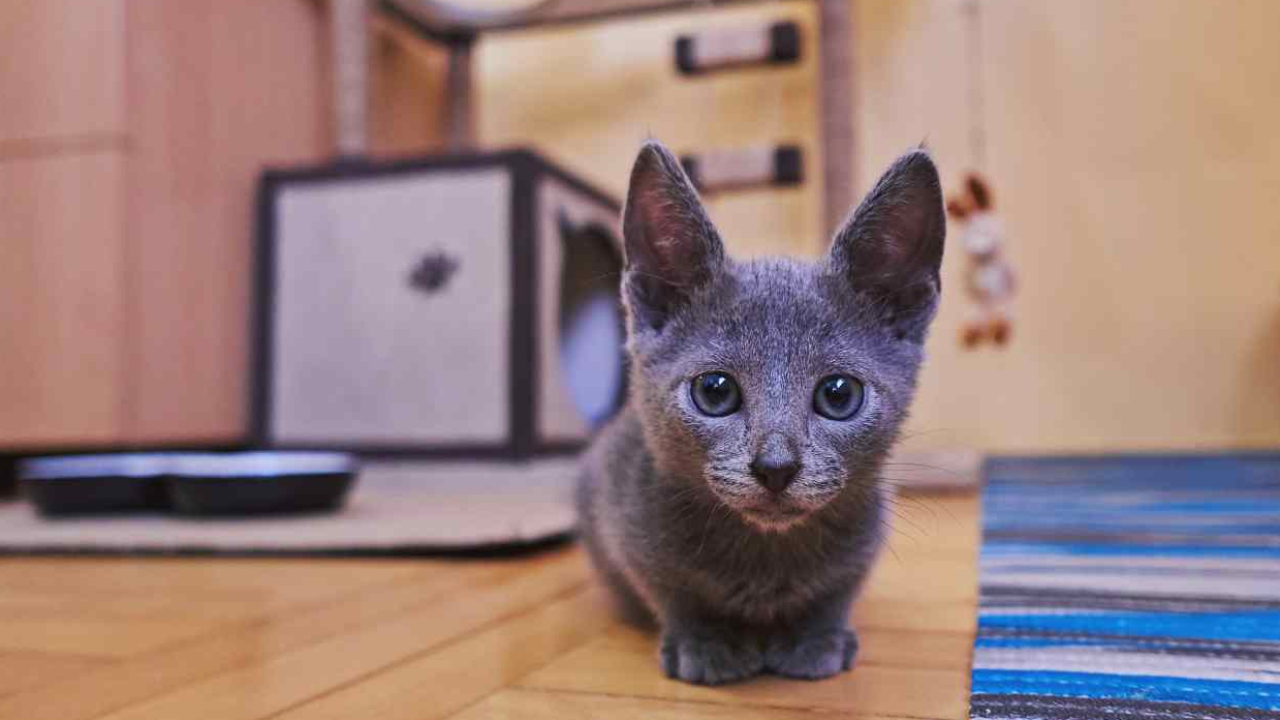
<point x="591" y="324"/>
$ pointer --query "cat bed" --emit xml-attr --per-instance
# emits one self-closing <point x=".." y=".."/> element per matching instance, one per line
<point x="397" y="508"/>
<point x="460" y="306"/>
<point x="1130" y="587"/>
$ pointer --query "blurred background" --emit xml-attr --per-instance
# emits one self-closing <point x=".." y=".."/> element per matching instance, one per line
<point x="270" y="248"/>
<point x="1131" y="147"/>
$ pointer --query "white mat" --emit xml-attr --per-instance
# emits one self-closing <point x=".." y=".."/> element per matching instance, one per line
<point x="395" y="507"/>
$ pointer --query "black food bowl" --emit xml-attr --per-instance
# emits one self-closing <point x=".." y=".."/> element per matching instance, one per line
<point x="196" y="484"/>
<point x="255" y="483"/>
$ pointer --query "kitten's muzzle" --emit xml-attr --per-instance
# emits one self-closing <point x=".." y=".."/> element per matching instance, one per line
<point x="776" y="464"/>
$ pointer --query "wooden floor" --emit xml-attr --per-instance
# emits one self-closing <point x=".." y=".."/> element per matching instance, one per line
<point x="242" y="639"/>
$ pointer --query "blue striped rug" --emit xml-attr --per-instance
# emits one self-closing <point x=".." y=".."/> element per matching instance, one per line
<point x="1132" y="587"/>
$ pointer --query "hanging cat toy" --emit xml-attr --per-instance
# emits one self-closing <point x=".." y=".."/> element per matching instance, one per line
<point x="989" y="278"/>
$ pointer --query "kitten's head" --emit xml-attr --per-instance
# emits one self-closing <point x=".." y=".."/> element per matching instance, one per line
<point x="779" y="384"/>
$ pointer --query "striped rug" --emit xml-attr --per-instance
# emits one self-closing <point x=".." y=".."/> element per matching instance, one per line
<point x="1134" y="587"/>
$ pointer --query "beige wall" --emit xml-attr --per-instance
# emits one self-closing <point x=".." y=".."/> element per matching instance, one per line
<point x="1134" y="147"/>
<point x="1131" y="145"/>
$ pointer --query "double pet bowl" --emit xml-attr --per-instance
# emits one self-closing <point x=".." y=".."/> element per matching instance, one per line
<point x="194" y="484"/>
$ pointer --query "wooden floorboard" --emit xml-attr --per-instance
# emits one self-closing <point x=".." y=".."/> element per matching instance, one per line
<point x="534" y="637"/>
<point x="110" y="688"/>
<point x="437" y="684"/>
<point x="265" y="686"/>
<point x="91" y="636"/>
<point x="518" y="704"/>
<point x="629" y="668"/>
<point x="23" y="670"/>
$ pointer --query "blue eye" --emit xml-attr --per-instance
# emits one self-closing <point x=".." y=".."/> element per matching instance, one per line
<point x="838" y="397"/>
<point x="716" y="394"/>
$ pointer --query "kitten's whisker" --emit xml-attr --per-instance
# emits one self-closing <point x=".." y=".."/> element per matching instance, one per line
<point x="916" y="503"/>
<point x="892" y="509"/>
<point x="706" y="530"/>
<point x="923" y="432"/>
<point x="928" y="504"/>
<point x="888" y="545"/>
<point x="896" y="481"/>
<point x="893" y="533"/>
<point x="925" y="466"/>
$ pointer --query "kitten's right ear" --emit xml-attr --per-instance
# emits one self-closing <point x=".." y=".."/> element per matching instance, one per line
<point x="672" y="249"/>
<point x="890" y="249"/>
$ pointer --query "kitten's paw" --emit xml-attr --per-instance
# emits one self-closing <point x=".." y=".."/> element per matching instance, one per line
<point x="710" y="660"/>
<point x="812" y="656"/>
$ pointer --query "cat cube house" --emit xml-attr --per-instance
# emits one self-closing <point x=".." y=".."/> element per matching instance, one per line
<point x="454" y="307"/>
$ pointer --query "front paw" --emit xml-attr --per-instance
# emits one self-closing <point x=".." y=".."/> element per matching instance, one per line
<point x="710" y="660"/>
<point x="812" y="656"/>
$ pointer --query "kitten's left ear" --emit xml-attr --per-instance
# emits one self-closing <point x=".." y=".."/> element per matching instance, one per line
<point x="890" y="249"/>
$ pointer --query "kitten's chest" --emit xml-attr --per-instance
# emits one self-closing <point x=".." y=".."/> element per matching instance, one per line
<point x="761" y="587"/>
<point x="763" y="583"/>
<point x="767" y="597"/>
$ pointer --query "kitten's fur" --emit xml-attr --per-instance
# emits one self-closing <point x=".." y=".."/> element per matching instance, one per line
<point x="740" y="579"/>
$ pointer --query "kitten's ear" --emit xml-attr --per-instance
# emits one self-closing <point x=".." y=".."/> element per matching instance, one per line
<point x="672" y="249"/>
<point x="890" y="249"/>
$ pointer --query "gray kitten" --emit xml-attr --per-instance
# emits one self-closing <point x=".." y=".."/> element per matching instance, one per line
<point x="735" y="498"/>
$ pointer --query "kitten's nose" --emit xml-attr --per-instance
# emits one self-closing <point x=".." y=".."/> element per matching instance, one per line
<point x="775" y="464"/>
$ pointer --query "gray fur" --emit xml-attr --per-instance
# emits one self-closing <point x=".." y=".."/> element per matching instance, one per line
<point x="742" y="580"/>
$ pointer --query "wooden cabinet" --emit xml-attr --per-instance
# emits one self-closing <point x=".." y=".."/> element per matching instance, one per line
<point x="61" y="298"/>
<point x="589" y="95"/>
<point x="131" y="140"/>
<point x="61" y="221"/>
<point x="61" y="73"/>
<point x="217" y="90"/>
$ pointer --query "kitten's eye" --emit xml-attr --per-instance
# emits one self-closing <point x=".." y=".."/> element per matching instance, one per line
<point x="716" y="394"/>
<point x="838" y="397"/>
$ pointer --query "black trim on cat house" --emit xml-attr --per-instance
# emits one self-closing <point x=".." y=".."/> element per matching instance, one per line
<point x="526" y="170"/>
